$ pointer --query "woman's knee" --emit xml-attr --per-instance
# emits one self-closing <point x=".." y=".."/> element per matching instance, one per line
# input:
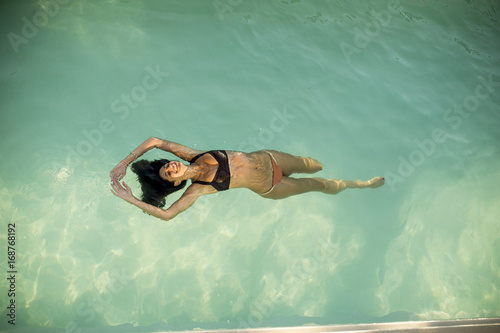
<point x="313" y="164"/>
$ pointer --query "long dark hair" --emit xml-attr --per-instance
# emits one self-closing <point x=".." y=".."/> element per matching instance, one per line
<point x="154" y="188"/>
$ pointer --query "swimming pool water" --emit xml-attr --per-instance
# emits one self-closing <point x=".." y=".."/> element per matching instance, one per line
<point x="408" y="90"/>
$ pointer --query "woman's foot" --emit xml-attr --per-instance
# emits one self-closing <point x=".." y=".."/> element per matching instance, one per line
<point x="376" y="182"/>
<point x="334" y="186"/>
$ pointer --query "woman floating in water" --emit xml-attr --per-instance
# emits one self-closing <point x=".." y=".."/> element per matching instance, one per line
<point x="266" y="172"/>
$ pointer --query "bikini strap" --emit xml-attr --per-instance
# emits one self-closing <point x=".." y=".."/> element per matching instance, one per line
<point x="197" y="156"/>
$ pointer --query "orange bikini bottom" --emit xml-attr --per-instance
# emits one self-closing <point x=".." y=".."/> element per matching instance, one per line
<point x="277" y="172"/>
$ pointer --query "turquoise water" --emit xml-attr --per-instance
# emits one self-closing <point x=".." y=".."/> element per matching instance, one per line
<point x="409" y="90"/>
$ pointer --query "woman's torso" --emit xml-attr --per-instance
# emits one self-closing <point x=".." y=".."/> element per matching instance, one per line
<point x="249" y="170"/>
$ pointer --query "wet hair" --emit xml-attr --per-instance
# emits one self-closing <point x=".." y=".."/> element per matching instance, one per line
<point x="154" y="188"/>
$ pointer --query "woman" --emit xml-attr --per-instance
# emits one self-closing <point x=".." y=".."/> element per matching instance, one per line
<point x="267" y="173"/>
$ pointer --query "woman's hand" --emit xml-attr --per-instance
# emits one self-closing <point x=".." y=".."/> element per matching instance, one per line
<point x="118" y="172"/>
<point x="122" y="191"/>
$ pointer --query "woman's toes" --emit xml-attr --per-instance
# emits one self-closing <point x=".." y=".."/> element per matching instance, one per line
<point x="376" y="182"/>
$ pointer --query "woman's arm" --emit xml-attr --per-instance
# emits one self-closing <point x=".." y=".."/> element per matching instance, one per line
<point x="187" y="199"/>
<point x="179" y="150"/>
<point x="141" y="150"/>
<point x="120" y="169"/>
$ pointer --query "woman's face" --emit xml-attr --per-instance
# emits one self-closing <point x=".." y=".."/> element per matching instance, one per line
<point x="173" y="171"/>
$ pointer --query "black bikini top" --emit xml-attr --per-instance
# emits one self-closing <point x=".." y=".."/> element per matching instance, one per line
<point x="222" y="176"/>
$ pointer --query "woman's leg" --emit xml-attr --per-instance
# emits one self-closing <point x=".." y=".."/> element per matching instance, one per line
<point x="289" y="186"/>
<point x="334" y="186"/>
<point x="295" y="164"/>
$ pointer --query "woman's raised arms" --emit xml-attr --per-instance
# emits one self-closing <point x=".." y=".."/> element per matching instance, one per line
<point x="177" y="149"/>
